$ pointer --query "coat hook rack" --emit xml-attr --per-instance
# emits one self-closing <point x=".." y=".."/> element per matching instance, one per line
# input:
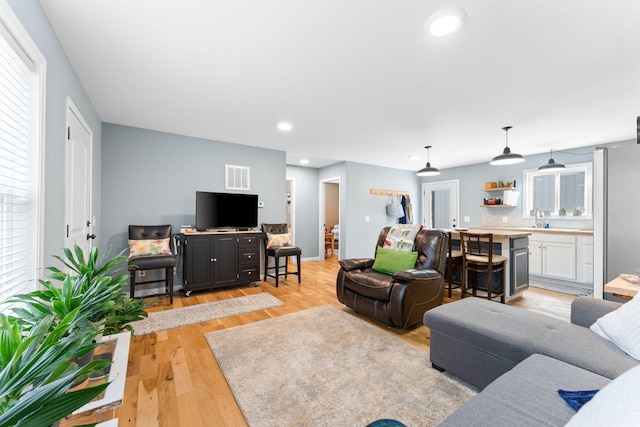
<point x="388" y="192"/>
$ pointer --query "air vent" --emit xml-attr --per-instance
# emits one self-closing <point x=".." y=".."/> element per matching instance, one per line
<point x="236" y="177"/>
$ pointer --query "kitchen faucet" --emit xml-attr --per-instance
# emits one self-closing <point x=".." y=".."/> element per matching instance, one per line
<point x="538" y="224"/>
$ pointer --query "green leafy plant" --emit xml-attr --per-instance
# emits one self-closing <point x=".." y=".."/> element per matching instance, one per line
<point x="37" y="370"/>
<point x="93" y="286"/>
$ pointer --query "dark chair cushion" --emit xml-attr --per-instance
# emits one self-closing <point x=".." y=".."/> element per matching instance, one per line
<point x="151" y="262"/>
<point x="284" y="251"/>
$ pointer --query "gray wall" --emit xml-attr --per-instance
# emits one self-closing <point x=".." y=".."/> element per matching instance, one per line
<point x="359" y="236"/>
<point x="61" y="81"/>
<point x="152" y="177"/>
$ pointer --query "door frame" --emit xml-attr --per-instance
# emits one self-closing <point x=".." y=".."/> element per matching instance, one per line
<point x="292" y="207"/>
<point x="72" y="109"/>
<point x="428" y="187"/>
<point x="323" y="197"/>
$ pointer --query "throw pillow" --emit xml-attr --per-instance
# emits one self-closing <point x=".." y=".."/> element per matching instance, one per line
<point x="149" y="247"/>
<point x="390" y="262"/>
<point x="622" y="327"/>
<point x="617" y="404"/>
<point x="577" y="399"/>
<point x="401" y="237"/>
<point x="278" y="240"/>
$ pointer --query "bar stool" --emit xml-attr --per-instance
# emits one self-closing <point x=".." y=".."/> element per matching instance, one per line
<point x="454" y="259"/>
<point x="478" y="257"/>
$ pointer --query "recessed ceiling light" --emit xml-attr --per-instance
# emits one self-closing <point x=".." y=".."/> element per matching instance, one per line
<point x="285" y="126"/>
<point x="414" y="157"/>
<point x="445" y="21"/>
<point x="304" y="162"/>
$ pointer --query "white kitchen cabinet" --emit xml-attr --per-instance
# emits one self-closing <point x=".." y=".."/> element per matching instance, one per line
<point x="553" y="256"/>
<point x="585" y="259"/>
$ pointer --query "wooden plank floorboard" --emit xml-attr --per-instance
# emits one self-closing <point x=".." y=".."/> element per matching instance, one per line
<point x="174" y="380"/>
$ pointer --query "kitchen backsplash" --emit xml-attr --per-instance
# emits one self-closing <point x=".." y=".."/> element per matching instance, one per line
<point x="494" y="218"/>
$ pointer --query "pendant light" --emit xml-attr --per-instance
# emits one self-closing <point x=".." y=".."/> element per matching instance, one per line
<point x="507" y="157"/>
<point x="428" y="170"/>
<point x="551" y="164"/>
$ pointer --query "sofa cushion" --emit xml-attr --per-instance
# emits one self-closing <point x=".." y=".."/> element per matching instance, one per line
<point x="617" y="404"/>
<point x="401" y="237"/>
<point x="527" y="396"/>
<point x="370" y="283"/>
<point x="278" y="240"/>
<point x="149" y="247"/>
<point x="510" y="335"/>
<point x="390" y="261"/>
<point x="622" y="327"/>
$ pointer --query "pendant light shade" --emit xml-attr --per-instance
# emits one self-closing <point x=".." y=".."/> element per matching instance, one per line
<point x="507" y="157"/>
<point x="428" y="170"/>
<point x="551" y="164"/>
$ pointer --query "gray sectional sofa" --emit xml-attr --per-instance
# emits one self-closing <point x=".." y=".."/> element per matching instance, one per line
<point x="519" y="359"/>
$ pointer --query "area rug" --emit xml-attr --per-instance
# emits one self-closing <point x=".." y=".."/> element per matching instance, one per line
<point x="326" y="367"/>
<point x="174" y="318"/>
<point x="565" y="289"/>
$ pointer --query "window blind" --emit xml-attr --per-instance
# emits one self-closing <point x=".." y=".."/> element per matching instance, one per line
<point x="19" y="174"/>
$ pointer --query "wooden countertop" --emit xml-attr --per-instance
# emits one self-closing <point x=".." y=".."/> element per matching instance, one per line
<point x="496" y="231"/>
<point x="621" y="287"/>
<point x="530" y="230"/>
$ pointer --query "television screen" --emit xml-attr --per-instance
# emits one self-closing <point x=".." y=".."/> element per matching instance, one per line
<point x="226" y="210"/>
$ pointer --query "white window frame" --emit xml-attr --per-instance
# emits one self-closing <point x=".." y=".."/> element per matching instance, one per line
<point x="15" y="34"/>
<point x="529" y="175"/>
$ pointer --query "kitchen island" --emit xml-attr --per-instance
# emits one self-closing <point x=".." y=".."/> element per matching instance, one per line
<point x="513" y="245"/>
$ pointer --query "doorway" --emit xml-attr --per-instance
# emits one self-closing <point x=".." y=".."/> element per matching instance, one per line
<point x="329" y="230"/>
<point x="78" y="180"/>
<point x="290" y="206"/>
<point x="441" y="204"/>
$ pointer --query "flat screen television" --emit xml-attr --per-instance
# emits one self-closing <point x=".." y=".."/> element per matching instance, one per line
<point x="226" y="210"/>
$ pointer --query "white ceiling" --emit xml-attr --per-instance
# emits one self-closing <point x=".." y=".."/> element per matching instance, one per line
<point x="358" y="79"/>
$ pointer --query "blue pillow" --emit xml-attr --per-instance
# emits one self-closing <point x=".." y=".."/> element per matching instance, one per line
<point x="576" y="399"/>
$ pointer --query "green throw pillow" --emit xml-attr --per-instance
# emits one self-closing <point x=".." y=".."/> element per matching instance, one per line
<point x="390" y="261"/>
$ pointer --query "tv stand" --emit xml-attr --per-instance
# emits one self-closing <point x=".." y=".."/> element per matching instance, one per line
<point x="215" y="259"/>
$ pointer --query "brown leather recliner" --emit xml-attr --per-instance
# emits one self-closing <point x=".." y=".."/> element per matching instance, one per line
<point x="401" y="299"/>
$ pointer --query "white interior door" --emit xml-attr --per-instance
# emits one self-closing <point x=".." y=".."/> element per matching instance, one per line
<point x="78" y="182"/>
<point x="440" y="204"/>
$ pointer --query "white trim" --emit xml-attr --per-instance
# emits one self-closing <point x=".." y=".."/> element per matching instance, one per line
<point x="38" y="64"/>
<point x="293" y="209"/>
<point x="321" y="203"/>
<point x="71" y="107"/>
<point x="439" y="185"/>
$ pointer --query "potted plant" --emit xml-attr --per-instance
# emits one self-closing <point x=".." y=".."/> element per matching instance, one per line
<point x="577" y="211"/>
<point x="546" y="211"/>
<point x="94" y="287"/>
<point x="562" y="212"/>
<point x="37" y="372"/>
<point x="509" y="184"/>
<point x="500" y="183"/>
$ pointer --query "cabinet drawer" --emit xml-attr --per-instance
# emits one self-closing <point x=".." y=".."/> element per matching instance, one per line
<point x="249" y="241"/>
<point x="249" y="274"/>
<point x="555" y="238"/>
<point x="248" y="257"/>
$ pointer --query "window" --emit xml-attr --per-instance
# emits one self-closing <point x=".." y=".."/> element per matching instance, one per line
<point x="22" y="69"/>
<point x="565" y="192"/>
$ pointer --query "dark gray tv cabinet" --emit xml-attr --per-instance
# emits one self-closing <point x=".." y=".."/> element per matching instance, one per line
<point x="219" y="259"/>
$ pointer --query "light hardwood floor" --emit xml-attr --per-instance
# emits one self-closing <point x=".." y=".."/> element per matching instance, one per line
<point x="173" y="379"/>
